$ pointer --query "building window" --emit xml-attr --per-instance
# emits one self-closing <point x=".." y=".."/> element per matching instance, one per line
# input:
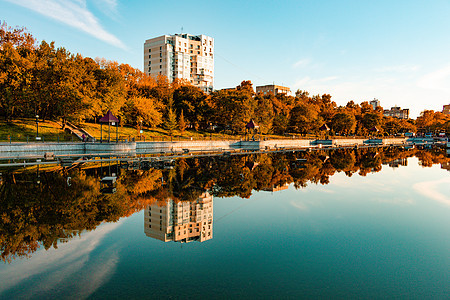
<point x="198" y="52"/>
<point x="210" y="43"/>
<point x="191" y="51"/>
<point x="149" y="56"/>
<point x="160" y="48"/>
<point x="150" y="226"/>
<point x="149" y="50"/>
<point x="160" y="55"/>
<point x="160" y="66"/>
<point x="149" y="69"/>
<point x="160" y="60"/>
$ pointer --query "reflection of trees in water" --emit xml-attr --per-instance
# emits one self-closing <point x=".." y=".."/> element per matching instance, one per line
<point x="46" y="213"/>
<point x="49" y="212"/>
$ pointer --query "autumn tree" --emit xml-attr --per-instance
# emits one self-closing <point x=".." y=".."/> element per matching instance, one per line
<point x="147" y="110"/>
<point x="343" y="123"/>
<point x="16" y="58"/>
<point x="304" y="118"/>
<point x="371" y="120"/>
<point x="233" y="108"/>
<point x="192" y="101"/>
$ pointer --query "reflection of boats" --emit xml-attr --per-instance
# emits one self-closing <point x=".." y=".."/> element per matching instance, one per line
<point x="108" y="185"/>
<point x="156" y="163"/>
<point x="163" y="164"/>
<point x="299" y="163"/>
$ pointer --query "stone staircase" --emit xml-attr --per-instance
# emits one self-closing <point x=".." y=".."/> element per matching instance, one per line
<point x="78" y="132"/>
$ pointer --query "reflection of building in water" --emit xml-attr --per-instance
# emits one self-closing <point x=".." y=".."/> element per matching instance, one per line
<point x="276" y="188"/>
<point x="398" y="162"/>
<point x="445" y="165"/>
<point x="183" y="221"/>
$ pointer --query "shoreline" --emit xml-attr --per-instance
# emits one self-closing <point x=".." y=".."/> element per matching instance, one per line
<point x="23" y="150"/>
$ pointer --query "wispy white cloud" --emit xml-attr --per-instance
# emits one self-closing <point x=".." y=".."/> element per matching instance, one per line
<point x="74" y="13"/>
<point x="108" y="7"/>
<point x="60" y="267"/>
<point x="436" y="80"/>
<point x="301" y="63"/>
<point x="398" y="68"/>
<point x="430" y="189"/>
<point x="299" y="205"/>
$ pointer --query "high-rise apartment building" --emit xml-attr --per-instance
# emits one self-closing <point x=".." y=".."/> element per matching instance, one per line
<point x="375" y="103"/>
<point x="182" y="56"/>
<point x="446" y="109"/>
<point x="182" y="221"/>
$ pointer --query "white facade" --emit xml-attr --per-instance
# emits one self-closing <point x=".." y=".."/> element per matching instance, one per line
<point x="375" y="103"/>
<point x="181" y="56"/>
<point x="182" y="221"/>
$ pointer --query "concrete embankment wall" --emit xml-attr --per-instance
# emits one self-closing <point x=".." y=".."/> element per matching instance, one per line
<point x="38" y="149"/>
<point x="146" y="147"/>
<point x="273" y="144"/>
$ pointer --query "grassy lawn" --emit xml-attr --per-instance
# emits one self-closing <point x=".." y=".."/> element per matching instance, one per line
<point x="21" y="129"/>
<point x="155" y="134"/>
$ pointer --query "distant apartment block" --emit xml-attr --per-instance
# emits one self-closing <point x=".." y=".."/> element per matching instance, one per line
<point x="397" y="112"/>
<point x="182" y="221"/>
<point x="274" y="89"/>
<point x="445" y="165"/>
<point x="182" y="56"/>
<point x="277" y="188"/>
<point x="446" y="109"/>
<point x="375" y="103"/>
<point x="398" y="162"/>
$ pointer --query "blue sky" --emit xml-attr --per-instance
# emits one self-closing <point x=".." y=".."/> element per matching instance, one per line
<point x="395" y="51"/>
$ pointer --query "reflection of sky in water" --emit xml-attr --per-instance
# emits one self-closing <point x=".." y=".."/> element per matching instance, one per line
<point x="382" y="235"/>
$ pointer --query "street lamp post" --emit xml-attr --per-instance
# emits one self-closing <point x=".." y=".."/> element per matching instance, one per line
<point x="140" y="130"/>
<point x="37" y="128"/>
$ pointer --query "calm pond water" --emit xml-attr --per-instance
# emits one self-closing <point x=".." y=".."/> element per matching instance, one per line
<point x="372" y="223"/>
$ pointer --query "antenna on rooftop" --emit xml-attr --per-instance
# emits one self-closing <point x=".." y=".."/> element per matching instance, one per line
<point x="181" y="29"/>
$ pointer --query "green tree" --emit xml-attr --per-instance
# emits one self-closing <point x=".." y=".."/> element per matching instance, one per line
<point x="181" y="122"/>
<point x="343" y="123"/>
<point x="171" y="121"/>
<point x="371" y="120"/>
<point x="192" y="101"/>
<point x="264" y="115"/>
